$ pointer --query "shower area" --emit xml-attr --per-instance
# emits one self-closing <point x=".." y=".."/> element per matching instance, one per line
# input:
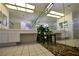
<point x="61" y="18"/>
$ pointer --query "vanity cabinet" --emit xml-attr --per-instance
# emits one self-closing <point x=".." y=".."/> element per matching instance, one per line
<point x="8" y="36"/>
<point x="4" y="36"/>
<point x="0" y="36"/>
<point x="14" y="36"/>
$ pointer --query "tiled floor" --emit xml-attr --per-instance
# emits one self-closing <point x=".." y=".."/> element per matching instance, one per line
<point x="34" y="49"/>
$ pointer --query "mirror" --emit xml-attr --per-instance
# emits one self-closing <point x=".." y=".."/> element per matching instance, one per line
<point x="3" y="20"/>
<point x="0" y="16"/>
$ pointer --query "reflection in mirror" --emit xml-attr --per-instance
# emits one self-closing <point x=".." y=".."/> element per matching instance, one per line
<point x="4" y="20"/>
<point x="0" y="19"/>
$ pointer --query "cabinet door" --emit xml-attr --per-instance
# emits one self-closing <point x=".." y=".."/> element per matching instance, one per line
<point x="11" y="36"/>
<point x="14" y="36"/>
<point x="17" y="36"/>
<point x="4" y="36"/>
<point x="0" y="36"/>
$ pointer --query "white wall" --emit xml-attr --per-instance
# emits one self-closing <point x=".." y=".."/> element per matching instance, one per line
<point x="4" y="11"/>
<point x="73" y="22"/>
<point x="76" y="25"/>
<point x="68" y="18"/>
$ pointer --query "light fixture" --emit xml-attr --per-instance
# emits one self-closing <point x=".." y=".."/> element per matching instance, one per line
<point x="53" y="16"/>
<point x="11" y="3"/>
<point x="21" y="9"/>
<point x="30" y="6"/>
<point x="56" y="13"/>
<point x="30" y="11"/>
<point x="11" y="7"/>
<point x="20" y="4"/>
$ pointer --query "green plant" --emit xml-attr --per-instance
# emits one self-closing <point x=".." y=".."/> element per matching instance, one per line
<point x="41" y="31"/>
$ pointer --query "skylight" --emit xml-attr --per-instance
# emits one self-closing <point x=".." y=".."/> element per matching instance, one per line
<point x="56" y="13"/>
<point x="21" y="4"/>
<point x="30" y="6"/>
<point x="21" y="9"/>
<point x="53" y="16"/>
<point x="30" y="11"/>
<point x="11" y="7"/>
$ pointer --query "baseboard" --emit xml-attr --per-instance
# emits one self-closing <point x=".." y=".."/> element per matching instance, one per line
<point x="28" y="42"/>
<point x="7" y="44"/>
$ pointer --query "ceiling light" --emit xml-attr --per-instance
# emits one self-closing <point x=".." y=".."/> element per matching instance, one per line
<point x="20" y="4"/>
<point x="53" y="16"/>
<point x="21" y="9"/>
<point x="11" y="7"/>
<point x="30" y="11"/>
<point x="56" y="13"/>
<point x="30" y="6"/>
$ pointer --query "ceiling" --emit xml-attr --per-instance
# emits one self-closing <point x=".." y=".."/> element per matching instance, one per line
<point x="39" y="7"/>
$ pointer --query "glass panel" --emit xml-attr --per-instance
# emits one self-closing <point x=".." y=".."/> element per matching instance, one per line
<point x="65" y="28"/>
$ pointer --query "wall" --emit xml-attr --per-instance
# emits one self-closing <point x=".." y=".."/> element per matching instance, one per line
<point x="73" y="21"/>
<point x="67" y="18"/>
<point x="4" y="11"/>
<point x="76" y="25"/>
